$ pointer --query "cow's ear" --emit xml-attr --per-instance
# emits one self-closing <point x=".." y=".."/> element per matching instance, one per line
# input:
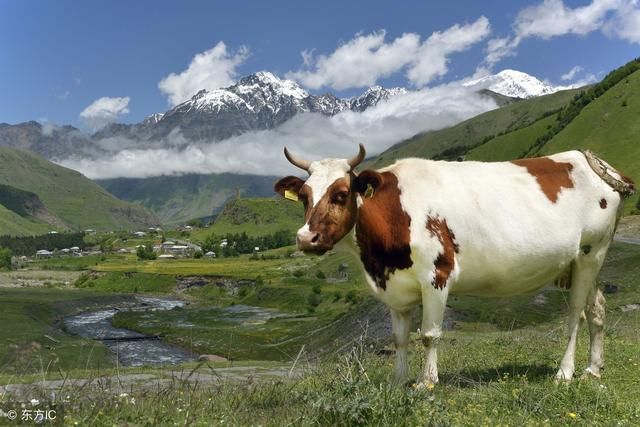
<point x="290" y="184"/>
<point x="367" y="180"/>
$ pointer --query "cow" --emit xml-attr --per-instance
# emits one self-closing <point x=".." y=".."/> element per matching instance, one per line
<point x="425" y="229"/>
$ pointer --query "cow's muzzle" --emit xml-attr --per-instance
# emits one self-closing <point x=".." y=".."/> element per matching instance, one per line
<point x="311" y="242"/>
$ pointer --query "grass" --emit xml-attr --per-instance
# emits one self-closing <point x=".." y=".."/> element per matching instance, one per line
<point x="496" y="366"/>
<point x="256" y="217"/>
<point x="28" y="314"/>
<point x="127" y="282"/>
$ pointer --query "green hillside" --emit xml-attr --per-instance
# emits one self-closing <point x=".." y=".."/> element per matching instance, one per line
<point x="456" y="140"/>
<point x="610" y="126"/>
<point x="256" y="217"/>
<point x="604" y="118"/>
<point x="15" y="225"/>
<point x="177" y="199"/>
<point x="39" y="196"/>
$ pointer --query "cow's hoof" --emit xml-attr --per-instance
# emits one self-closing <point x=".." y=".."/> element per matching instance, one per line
<point x="563" y="377"/>
<point x="591" y="372"/>
<point x="427" y="385"/>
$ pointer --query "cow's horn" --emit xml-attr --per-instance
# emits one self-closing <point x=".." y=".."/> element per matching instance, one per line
<point x="355" y="161"/>
<point x="301" y="163"/>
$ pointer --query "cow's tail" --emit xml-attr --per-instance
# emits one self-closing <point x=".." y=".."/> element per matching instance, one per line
<point x="623" y="185"/>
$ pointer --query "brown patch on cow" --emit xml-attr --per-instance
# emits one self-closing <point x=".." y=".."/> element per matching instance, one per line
<point x="552" y="176"/>
<point x="445" y="261"/>
<point x="603" y="203"/>
<point x="335" y="214"/>
<point x="382" y="231"/>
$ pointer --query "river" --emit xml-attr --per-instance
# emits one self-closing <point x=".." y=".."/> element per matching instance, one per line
<point x="130" y="347"/>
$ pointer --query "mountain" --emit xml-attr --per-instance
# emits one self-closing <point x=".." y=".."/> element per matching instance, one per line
<point x="257" y="102"/>
<point x="455" y="141"/>
<point x="37" y="196"/>
<point x="177" y="199"/>
<point x="516" y="84"/>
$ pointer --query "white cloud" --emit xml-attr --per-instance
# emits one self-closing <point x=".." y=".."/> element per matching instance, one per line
<point x="310" y="135"/>
<point x="433" y="55"/>
<point x="104" y="110"/>
<point x="211" y="69"/>
<point x="626" y="23"/>
<point x="553" y="18"/>
<point x="572" y="73"/>
<point x="357" y="63"/>
<point x="365" y="59"/>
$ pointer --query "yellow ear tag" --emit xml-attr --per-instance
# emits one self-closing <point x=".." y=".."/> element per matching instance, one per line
<point x="288" y="194"/>
<point x="368" y="193"/>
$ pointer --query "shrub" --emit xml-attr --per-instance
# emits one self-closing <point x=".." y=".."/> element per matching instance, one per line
<point x="320" y="275"/>
<point x="314" y="299"/>
<point x="298" y="273"/>
<point x="5" y="258"/>
<point x="351" y="297"/>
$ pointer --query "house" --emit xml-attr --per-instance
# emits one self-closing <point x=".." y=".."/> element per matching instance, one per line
<point x="210" y="254"/>
<point x="139" y="234"/>
<point x="43" y="253"/>
<point x="166" y="256"/>
<point x="74" y="249"/>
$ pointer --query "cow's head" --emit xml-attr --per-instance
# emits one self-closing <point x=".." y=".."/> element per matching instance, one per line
<point x="330" y="198"/>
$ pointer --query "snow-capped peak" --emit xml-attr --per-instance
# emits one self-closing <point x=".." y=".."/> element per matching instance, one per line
<point x="265" y="78"/>
<point x="153" y="118"/>
<point x="515" y="84"/>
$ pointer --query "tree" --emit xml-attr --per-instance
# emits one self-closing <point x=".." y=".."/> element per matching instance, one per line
<point x="5" y="258"/>
<point x="145" y="252"/>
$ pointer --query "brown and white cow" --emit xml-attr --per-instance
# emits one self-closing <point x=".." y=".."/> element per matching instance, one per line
<point x="425" y="229"/>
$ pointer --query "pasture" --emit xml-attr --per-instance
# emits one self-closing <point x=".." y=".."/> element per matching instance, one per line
<point x="497" y="363"/>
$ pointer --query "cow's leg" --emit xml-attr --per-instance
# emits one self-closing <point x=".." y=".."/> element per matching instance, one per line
<point x="401" y="325"/>
<point x="433" y="304"/>
<point x="583" y="283"/>
<point x="595" y="317"/>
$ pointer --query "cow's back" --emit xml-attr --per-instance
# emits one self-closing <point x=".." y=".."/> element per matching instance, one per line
<point x="515" y="225"/>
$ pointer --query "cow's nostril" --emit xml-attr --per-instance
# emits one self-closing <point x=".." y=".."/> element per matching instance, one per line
<point x="315" y="238"/>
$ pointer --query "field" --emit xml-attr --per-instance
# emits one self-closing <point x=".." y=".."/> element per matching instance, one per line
<point x="496" y="364"/>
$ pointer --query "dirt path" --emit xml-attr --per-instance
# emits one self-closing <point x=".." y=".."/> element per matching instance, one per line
<point x="127" y="383"/>
<point x="37" y="278"/>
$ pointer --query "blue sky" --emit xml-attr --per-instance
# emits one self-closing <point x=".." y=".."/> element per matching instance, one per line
<point x="59" y="57"/>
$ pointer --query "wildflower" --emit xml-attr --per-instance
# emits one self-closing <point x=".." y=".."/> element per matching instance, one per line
<point x="572" y="414"/>
<point x="35" y="402"/>
<point x="430" y="387"/>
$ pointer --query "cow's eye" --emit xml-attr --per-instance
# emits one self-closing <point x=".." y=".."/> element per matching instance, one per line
<point x="340" y="197"/>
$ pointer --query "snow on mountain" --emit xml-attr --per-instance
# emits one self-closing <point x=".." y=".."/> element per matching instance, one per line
<point x="152" y="119"/>
<point x="516" y="84"/>
<point x="373" y="96"/>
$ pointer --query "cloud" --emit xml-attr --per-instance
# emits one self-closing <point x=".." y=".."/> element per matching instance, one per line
<point x="104" y="110"/>
<point x="433" y="54"/>
<point x="211" y="69"/>
<point x="626" y="23"/>
<point x="357" y="63"/>
<point x="365" y="59"/>
<point x="310" y="135"/>
<point x="571" y="74"/>
<point x="552" y="18"/>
